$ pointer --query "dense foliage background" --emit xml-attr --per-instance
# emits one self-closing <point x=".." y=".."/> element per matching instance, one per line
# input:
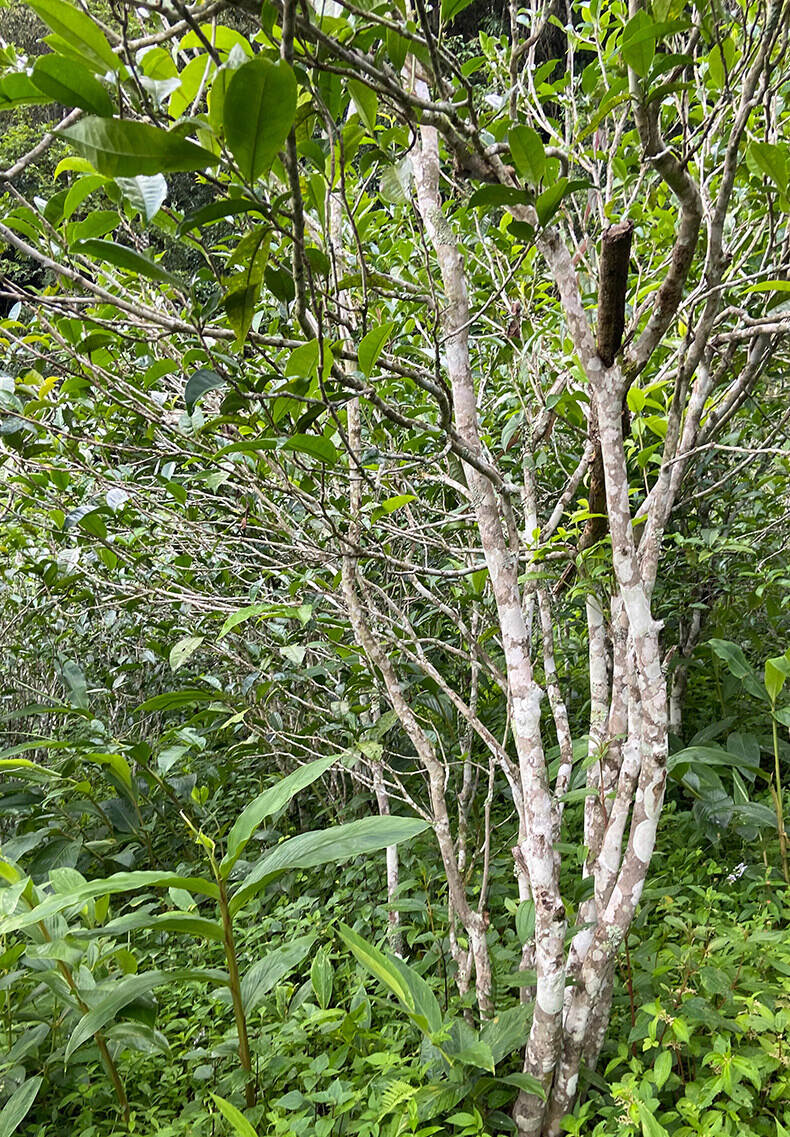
<point x="223" y="380"/>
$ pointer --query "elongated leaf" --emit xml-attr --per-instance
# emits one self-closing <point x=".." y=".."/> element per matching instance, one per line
<point x="527" y="1083"/>
<point x="507" y="1031"/>
<point x="240" y="1124"/>
<point x="147" y="193"/>
<point x="372" y="346"/>
<point x="180" y="652"/>
<point x="79" y="31"/>
<point x="118" y="882"/>
<point x="315" y="445"/>
<point x="122" y="148"/>
<point x="265" y="804"/>
<point x="168" y="700"/>
<point x="71" y="84"/>
<point x="19" y="90"/>
<point x="406" y="983"/>
<point x="264" y="975"/>
<point x="198" y="384"/>
<point x="125" y="991"/>
<point x="272" y="611"/>
<point x="325" y="846"/>
<point x="18" y="1106"/>
<point x="259" y="110"/>
<point x="218" y="211"/>
<point x="452" y="8"/>
<point x="123" y="257"/>
<point x="182" y="922"/>
<point x="732" y="654"/>
<point x="528" y="152"/>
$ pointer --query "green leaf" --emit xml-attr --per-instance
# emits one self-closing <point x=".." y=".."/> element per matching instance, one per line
<point x="732" y="655"/>
<point x="315" y="445"/>
<point x="776" y="673"/>
<point x="507" y="1031"/>
<point x="126" y="991"/>
<point x="259" y="110"/>
<point x="453" y="8"/>
<point x="372" y="345"/>
<point x="650" y="1126"/>
<point x="303" y="360"/>
<point x="219" y="211"/>
<point x="496" y="196"/>
<point x="18" y="1106"/>
<point x="477" y="1054"/>
<point x="244" y="289"/>
<point x="118" y="882"/>
<point x="527" y="1083"/>
<point x="240" y="1124"/>
<point x="638" y="44"/>
<point x="325" y="846"/>
<point x="197" y="386"/>
<point x="171" y="699"/>
<point x="662" y="1067"/>
<point x="404" y="982"/>
<point x="321" y="978"/>
<point x="80" y="32"/>
<point x="366" y="102"/>
<point x="271" y="611"/>
<point x="72" y="84"/>
<point x="547" y="203"/>
<point x="123" y="257"/>
<point x="182" y="922"/>
<point x="19" y="90"/>
<point x="525" y="921"/>
<point x="267" y="803"/>
<point x="122" y="148"/>
<point x="146" y="193"/>
<point x="771" y="160"/>
<point x="529" y="156"/>
<point x="266" y="973"/>
<point x="181" y="651"/>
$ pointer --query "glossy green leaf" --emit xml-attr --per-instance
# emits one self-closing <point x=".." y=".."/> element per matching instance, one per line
<point x="121" y="256"/>
<point x="270" y="611"/>
<point x="529" y="155"/>
<point x="404" y="982"/>
<point x="372" y="345"/>
<point x="72" y="84"/>
<point x="322" y="978"/>
<point x="18" y="1106"/>
<point x="638" y="43"/>
<point x="527" y="1083"/>
<point x="776" y="672"/>
<point x="19" y="90"/>
<point x="271" y="801"/>
<point x="452" y="8"/>
<point x="126" y="991"/>
<point x="244" y="288"/>
<point x="118" y="882"/>
<point x="241" y="1126"/>
<point x="198" y="384"/>
<point x="259" y="110"/>
<point x="123" y="148"/>
<point x="315" y="445"/>
<point x="366" y="102"/>
<point x="325" y="846"/>
<point x="79" y="31"/>
<point x="146" y="193"/>
<point x="266" y="973"/>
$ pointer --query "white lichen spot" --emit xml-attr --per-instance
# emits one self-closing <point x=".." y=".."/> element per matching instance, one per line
<point x="643" y="840"/>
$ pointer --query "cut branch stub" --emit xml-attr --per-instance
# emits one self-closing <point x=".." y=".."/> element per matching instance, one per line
<point x="612" y="286"/>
